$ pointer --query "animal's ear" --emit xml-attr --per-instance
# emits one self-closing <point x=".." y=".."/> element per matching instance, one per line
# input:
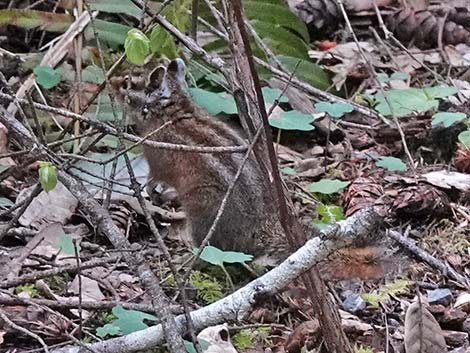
<point x="177" y="69"/>
<point x="156" y="78"/>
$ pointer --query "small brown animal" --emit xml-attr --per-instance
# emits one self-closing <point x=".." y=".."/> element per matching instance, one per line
<point x="249" y="222"/>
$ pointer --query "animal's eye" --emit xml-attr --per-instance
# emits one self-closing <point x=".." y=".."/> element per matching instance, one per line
<point x="126" y="82"/>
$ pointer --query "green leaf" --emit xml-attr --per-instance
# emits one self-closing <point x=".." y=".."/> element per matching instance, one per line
<point x="327" y="186"/>
<point x="102" y="109"/>
<point x="401" y="76"/>
<point x="440" y="91"/>
<point x="29" y="19"/>
<point x="163" y="43"/>
<point x="288" y="171"/>
<point x="383" y="77"/>
<point x="136" y="46"/>
<point x="4" y="167"/>
<point x="281" y="41"/>
<point x="447" y="118"/>
<point x="47" y="176"/>
<point x="464" y="138"/>
<point x="93" y="74"/>
<point x="276" y="15"/>
<point x="307" y="71"/>
<point x="214" y="103"/>
<point x="110" y="32"/>
<point x="329" y="214"/>
<point x="335" y="110"/>
<point x="116" y="6"/>
<point x="404" y="102"/>
<point x="129" y="321"/>
<point x="189" y="346"/>
<point x="270" y="95"/>
<point x="292" y="120"/>
<point x="108" y="329"/>
<point x="217" y="257"/>
<point x="47" y="77"/>
<point x="391" y="163"/>
<point x="66" y="244"/>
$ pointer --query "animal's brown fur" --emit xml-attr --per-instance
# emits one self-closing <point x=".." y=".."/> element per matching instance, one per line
<point x="249" y="222"/>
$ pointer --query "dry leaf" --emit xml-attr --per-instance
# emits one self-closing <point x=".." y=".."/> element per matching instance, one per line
<point x="218" y="338"/>
<point x="422" y="332"/>
<point x="56" y="206"/>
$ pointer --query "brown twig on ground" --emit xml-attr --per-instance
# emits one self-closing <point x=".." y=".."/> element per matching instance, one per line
<point x="10" y="323"/>
<point x="423" y="255"/>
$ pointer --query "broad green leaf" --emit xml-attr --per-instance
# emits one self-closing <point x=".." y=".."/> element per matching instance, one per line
<point x="130" y="321"/>
<point x="327" y="186"/>
<point x="391" y="163"/>
<point x="189" y="346"/>
<point x="217" y="257"/>
<point x="464" y="138"/>
<point x="108" y="329"/>
<point x="214" y="103"/>
<point x="161" y="42"/>
<point x="307" y="71"/>
<point x="93" y="74"/>
<point x="66" y="244"/>
<point x="447" y="118"/>
<point x="47" y="77"/>
<point x="47" y="176"/>
<point x="383" y="77"/>
<point x="288" y="171"/>
<point x="335" y="110"/>
<point x="42" y="20"/>
<point x="102" y="109"/>
<point x="276" y="14"/>
<point x="116" y="6"/>
<point x="270" y="95"/>
<point x="136" y="46"/>
<point x="292" y="120"/>
<point x="440" y="91"/>
<point x="281" y="41"/>
<point x="402" y="76"/>
<point x="112" y="33"/>
<point x="404" y="102"/>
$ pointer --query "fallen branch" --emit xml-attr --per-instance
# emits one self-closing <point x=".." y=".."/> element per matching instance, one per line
<point x="423" y="255"/>
<point x="237" y="305"/>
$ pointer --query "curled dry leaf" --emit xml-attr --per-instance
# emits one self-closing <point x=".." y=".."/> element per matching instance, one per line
<point x="422" y="332"/>
<point x="307" y="331"/>
<point x="463" y="302"/>
<point x="218" y="339"/>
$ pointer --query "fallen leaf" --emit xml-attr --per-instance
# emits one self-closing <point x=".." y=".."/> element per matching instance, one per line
<point x="422" y="332"/>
